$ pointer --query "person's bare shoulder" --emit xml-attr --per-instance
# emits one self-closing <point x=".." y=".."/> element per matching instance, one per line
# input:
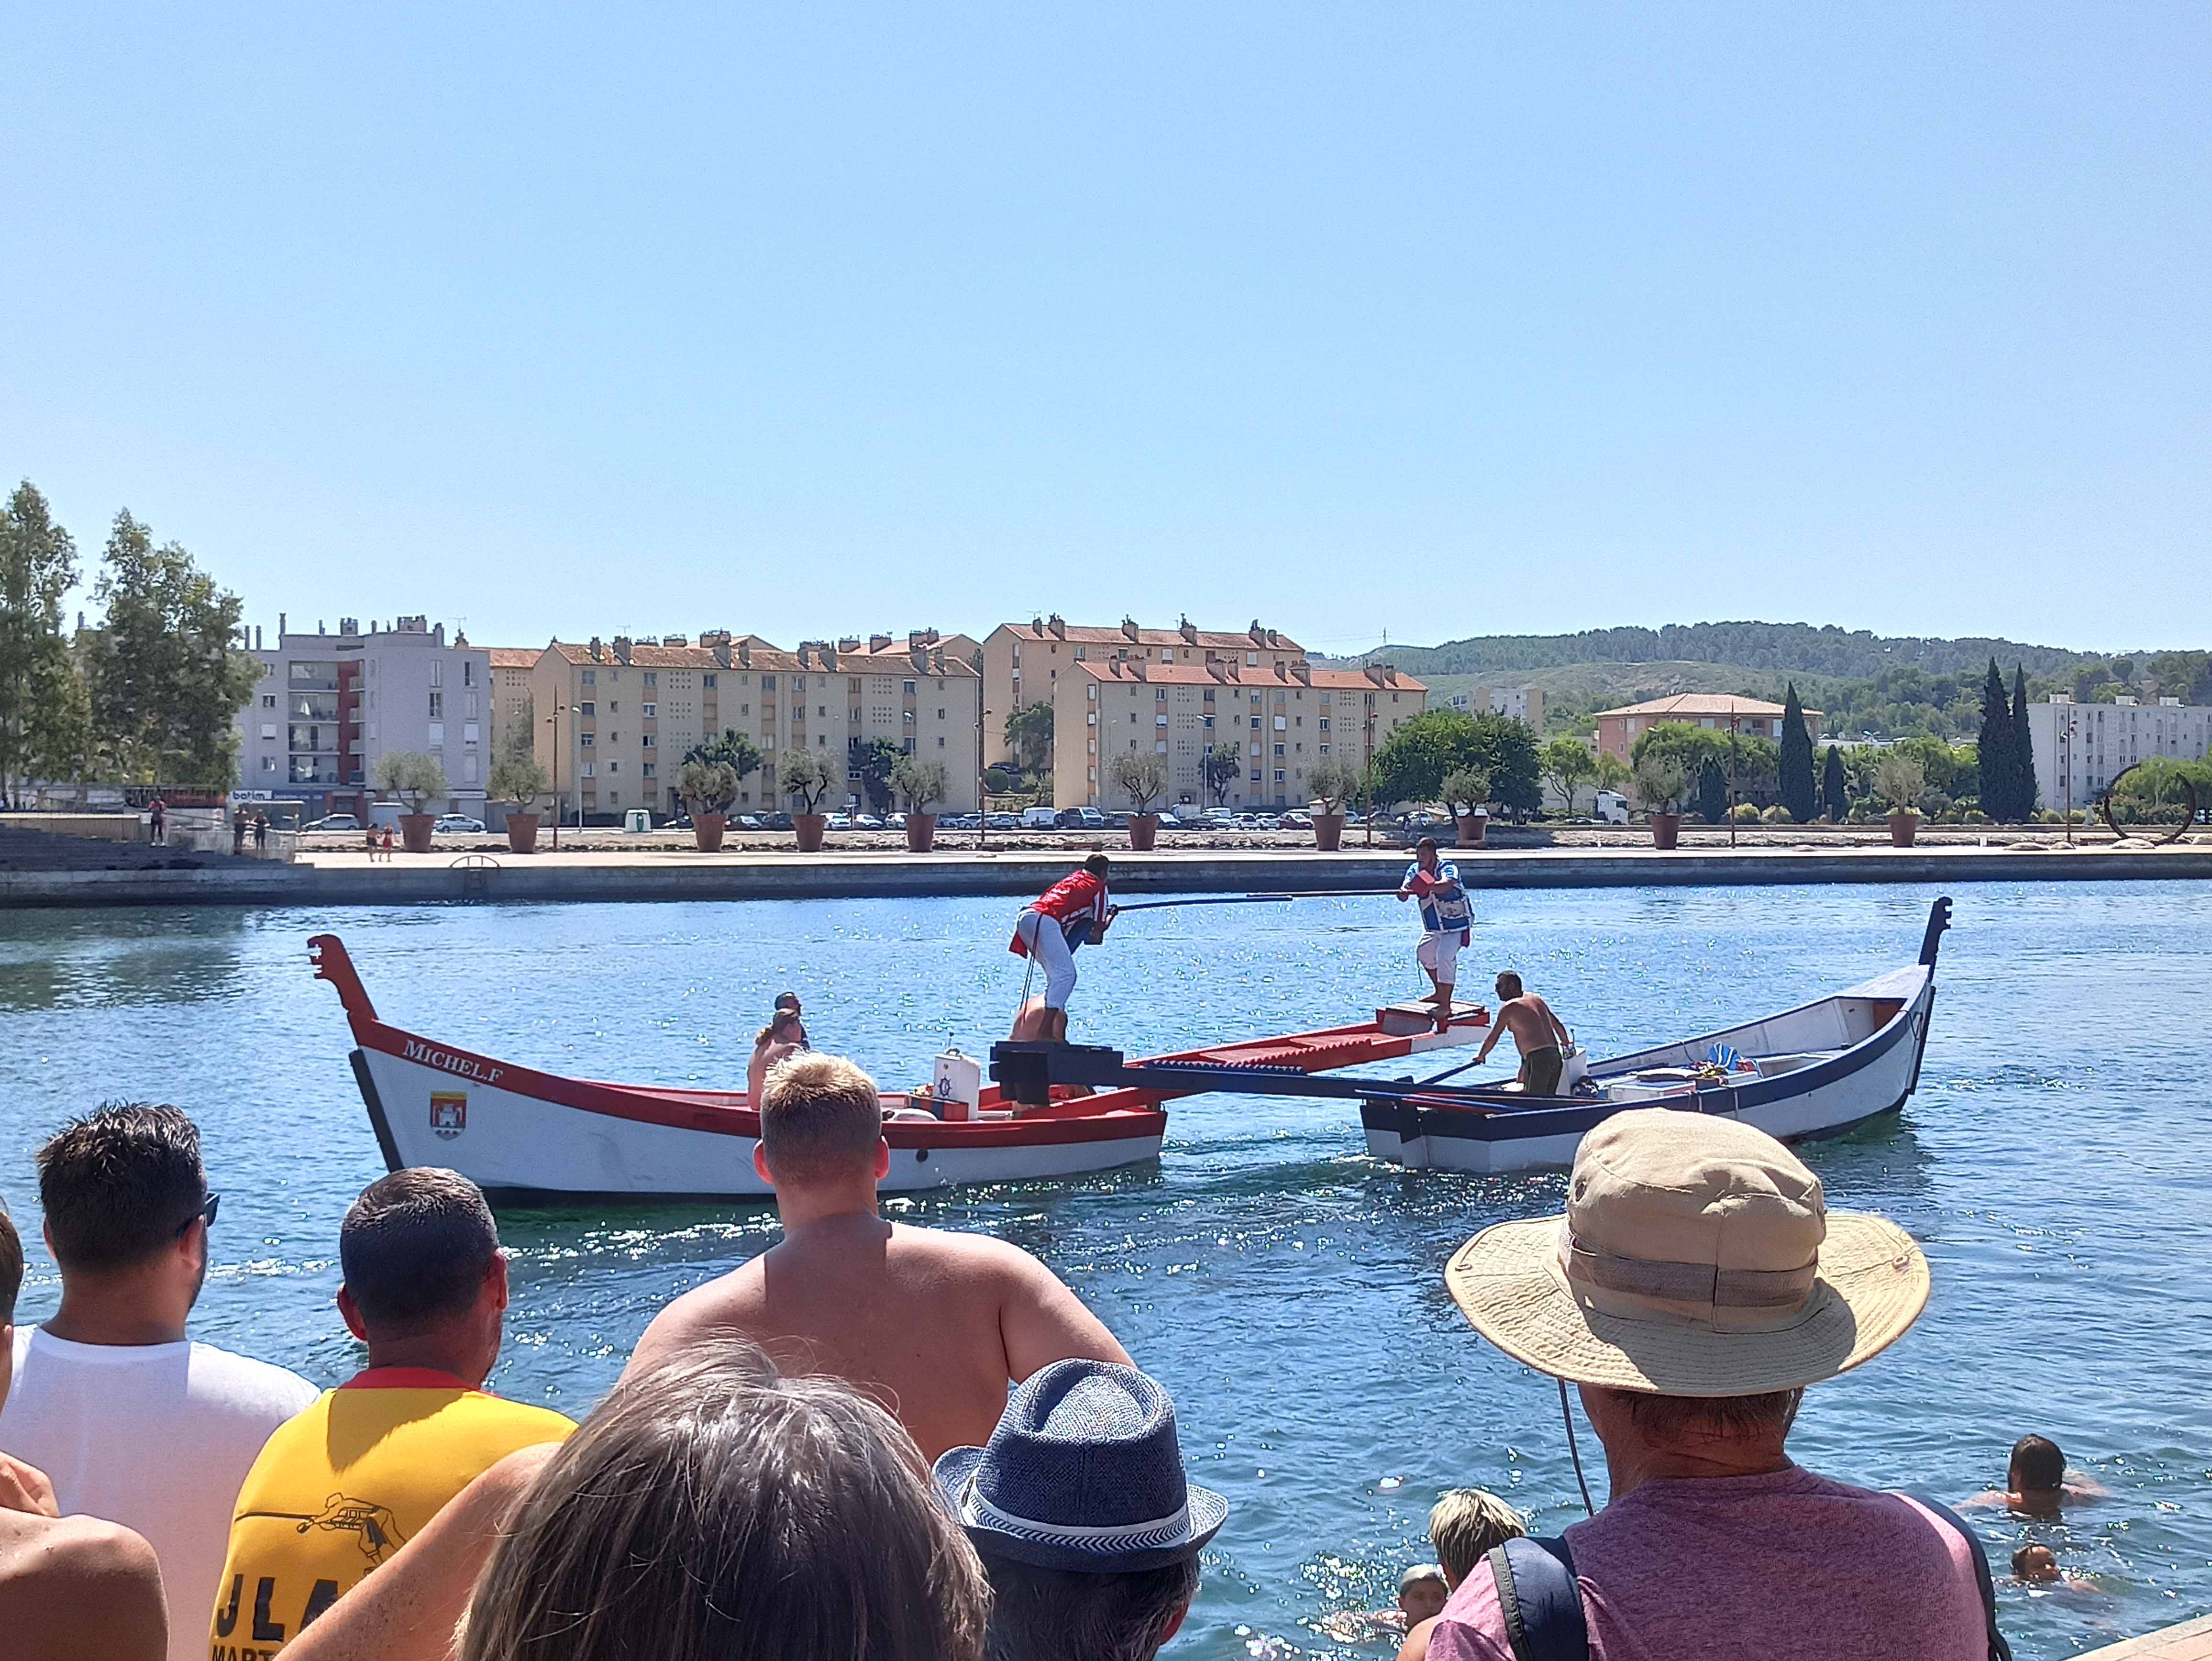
<point x="728" y="1304"/>
<point x="1416" y="1647"/>
<point x="1040" y="1319"/>
<point x="76" y="1586"/>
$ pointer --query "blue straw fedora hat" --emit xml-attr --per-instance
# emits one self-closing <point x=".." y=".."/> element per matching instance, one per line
<point x="1084" y="1473"/>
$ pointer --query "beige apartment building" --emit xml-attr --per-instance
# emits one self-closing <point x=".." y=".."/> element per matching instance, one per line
<point x="1282" y="717"/>
<point x="614" y="717"/>
<point x="1023" y="663"/>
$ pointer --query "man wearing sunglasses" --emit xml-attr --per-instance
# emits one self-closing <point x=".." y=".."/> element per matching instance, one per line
<point x="132" y="1420"/>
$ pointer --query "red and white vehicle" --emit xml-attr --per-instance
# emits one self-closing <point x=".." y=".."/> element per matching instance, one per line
<point x="526" y="1136"/>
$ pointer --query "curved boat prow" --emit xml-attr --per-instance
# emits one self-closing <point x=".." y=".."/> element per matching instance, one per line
<point x="328" y="954"/>
<point x="1939" y="922"/>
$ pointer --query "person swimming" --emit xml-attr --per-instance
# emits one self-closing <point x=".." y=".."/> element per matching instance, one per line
<point x="784" y="1036"/>
<point x="2038" y="1483"/>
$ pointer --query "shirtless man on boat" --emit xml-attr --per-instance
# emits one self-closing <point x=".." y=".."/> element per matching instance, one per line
<point x="1537" y="1034"/>
<point x="935" y="1325"/>
<point x="1073" y="912"/>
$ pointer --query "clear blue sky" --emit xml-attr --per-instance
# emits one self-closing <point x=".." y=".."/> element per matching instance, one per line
<point x="1441" y="319"/>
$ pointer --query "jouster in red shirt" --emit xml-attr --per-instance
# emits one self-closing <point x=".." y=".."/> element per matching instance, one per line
<point x="1077" y="902"/>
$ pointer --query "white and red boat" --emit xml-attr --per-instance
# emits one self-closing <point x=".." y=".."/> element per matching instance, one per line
<point x="526" y="1136"/>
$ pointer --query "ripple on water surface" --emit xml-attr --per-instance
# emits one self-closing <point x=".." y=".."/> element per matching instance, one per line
<point x="1286" y="1288"/>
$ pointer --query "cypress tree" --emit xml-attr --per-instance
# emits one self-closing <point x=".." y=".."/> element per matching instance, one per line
<point x="1712" y="793"/>
<point x="1797" y="760"/>
<point x="2000" y="778"/>
<point x="2023" y="748"/>
<point x="1836" y="793"/>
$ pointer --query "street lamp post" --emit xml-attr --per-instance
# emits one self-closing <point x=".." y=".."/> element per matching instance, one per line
<point x="982" y="800"/>
<point x="555" y="719"/>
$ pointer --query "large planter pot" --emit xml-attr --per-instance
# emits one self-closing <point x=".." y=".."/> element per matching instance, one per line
<point x="1328" y="831"/>
<point x="707" y="831"/>
<point x="522" y="833"/>
<point x="415" y="831"/>
<point x="1902" y="827"/>
<point x="1143" y="831"/>
<point x="1666" y="830"/>
<point x="808" y="828"/>
<point x="1472" y="829"/>
<point x="921" y="832"/>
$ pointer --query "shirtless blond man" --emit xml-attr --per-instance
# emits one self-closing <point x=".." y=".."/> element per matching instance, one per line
<point x="69" y="1586"/>
<point x="1536" y="1032"/>
<point x="934" y="1324"/>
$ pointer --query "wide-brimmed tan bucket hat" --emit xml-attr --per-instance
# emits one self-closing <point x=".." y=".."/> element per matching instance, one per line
<point x="1697" y="1258"/>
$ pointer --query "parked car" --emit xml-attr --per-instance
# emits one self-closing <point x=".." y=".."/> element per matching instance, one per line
<point x="746" y="822"/>
<point x="839" y="822"/>
<point x="1005" y="822"/>
<point x="866" y="822"/>
<point x="457" y="824"/>
<point x="775" y="821"/>
<point x="334" y="822"/>
<point x="1082" y="818"/>
<point x="1040" y="819"/>
<point x="1297" y="821"/>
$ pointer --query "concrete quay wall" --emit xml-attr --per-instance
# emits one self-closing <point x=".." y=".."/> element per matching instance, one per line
<point x="347" y="881"/>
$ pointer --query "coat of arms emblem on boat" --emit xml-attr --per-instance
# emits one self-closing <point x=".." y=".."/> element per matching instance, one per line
<point x="449" y="1113"/>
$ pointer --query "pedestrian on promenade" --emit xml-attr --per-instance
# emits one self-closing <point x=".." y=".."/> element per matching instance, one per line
<point x="1089" y="1530"/>
<point x="387" y="844"/>
<point x="157" y="821"/>
<point x="260" y="833"/>
<point x="339" y="1489"/>
<point x="135" y="1422"/>
<point x="69" y="1586"/>
<point x="1696" y="1285"/>
<point x="933" y="1325"/>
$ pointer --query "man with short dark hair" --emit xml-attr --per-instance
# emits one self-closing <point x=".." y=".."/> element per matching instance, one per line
<point x="1696" y="1286"/>
<point x="1542" y="1039"/>
<point x="340" y="1488"/>
<point x="1087" y="1526"/>
<point x="1074" y="912"/>
<point x="1447" y="921"/>
<point x="69" y="1586"/>
<point x="134" y="1422"/>
<point x="933" y="1323"/>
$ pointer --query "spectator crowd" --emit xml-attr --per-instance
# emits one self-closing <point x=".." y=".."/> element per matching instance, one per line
<point x="881" y="1442"/>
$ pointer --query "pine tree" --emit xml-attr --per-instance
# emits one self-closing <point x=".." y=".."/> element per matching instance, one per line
<point x="2025" y="790"/>
<point x="1834" y="792"/>
<point x="1712" y="793"/>
<point x="1797" y="760"/>
<point x="2000" y="776"/>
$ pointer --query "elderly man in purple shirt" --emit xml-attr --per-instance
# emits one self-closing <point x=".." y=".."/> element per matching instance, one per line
<point x="1696" y="1286"/>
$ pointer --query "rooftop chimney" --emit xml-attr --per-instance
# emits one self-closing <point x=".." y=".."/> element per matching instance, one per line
<point x="675" y="640"/>
<point x="622" y="645"/>
<point x="879" y="642"/>
<point x="848" y="643"/>
<point x="599" y="650"/>
<point x="1056" y="625"/>
<point x="1129" y="627"/>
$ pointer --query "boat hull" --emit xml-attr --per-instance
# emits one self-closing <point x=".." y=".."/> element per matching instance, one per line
<point x="1829" y="1098"/>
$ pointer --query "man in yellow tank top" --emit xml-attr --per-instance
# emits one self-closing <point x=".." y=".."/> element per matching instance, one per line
<point x="340" y="1488"/>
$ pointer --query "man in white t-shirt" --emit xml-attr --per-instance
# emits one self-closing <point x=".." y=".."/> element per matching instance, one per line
<point x="131" y="1420"/>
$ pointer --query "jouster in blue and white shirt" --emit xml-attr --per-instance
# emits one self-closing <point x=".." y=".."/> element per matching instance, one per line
<point x="1445" y="908"/>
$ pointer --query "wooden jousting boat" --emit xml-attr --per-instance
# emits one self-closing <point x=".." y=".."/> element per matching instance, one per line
<point x="529" y="1137"/>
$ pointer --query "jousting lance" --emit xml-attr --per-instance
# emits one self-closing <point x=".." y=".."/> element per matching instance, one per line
<point x="1260" y="899"/>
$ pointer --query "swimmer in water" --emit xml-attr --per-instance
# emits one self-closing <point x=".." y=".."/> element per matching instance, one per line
<point x="2036" y="1565"/>
<point x="2038" y="1483"/>
<point x="789" y="1002"/>
<point x="1422" y="1593"/>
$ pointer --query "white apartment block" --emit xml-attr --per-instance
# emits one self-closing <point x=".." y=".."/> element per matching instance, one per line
<point x="614" y="717"/>
<point x="1523" y="704"/>
<point x="328" y="706"/>
<point x="1023" y="662"/>
<point x="1281" y="719"/>
<point x="2080" y="748"/>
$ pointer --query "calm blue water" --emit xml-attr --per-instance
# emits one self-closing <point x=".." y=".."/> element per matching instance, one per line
<point x="1287" y="1289"/>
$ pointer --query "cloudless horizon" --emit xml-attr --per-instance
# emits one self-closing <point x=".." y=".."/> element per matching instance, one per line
<point x="1430" y="319"/>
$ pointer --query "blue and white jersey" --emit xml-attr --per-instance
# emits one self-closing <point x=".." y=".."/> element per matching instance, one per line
<point x="1442" y="914"/>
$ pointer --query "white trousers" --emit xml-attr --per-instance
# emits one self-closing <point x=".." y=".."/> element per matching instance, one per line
<point x="1042" y="934"/>
<point x="1440" y="955"/>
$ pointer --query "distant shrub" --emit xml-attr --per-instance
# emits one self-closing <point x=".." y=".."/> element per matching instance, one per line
<point x="1774" y="815"/>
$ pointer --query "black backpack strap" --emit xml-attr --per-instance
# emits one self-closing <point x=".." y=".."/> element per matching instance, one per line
<point x="1542" y="1605"/>
<point x="1999" y="1650"/>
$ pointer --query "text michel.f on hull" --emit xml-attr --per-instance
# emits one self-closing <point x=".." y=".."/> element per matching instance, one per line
<point x="1817" y="1070"/>
<point x="525" y="1135"/>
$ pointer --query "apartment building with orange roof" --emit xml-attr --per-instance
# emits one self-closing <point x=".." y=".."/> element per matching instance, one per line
<point x="615" y="717"/>
<point x="1281" y="717"/>
<point x="1024" y="662"/>
<point x="1619" y="729"/>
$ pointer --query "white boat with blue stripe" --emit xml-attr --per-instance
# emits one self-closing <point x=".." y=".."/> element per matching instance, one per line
<point x="1818" y="1070"/>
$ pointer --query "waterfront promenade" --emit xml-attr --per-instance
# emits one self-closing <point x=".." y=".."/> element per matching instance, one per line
<point x="2189" y="1641"/>
<point x="346" y="877"/>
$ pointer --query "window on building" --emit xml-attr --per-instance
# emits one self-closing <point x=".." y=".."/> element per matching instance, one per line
<point x="269" y="764"/>
<point x="1279" y="775"/>
<point x="587" y="741"/>
<point x="1255" y="723"/>
<point x="267" y="700"/>
<point x="437" y="706"/>
<point x="587" y="708"/>
<point x="648" y="739"/>
<point x="1324" y="723"/>
<point x="614" y="767"/>
<point x="767" y="683"/>
<point x="1279" y="749"/>
<point x="591" y="770"/>
<point x="710" y="681"/>
<point x="649" y="711"/>
<point x="468" y="672"/>
<point x="652" y="678"/>
<point x="437" y="672"/>
<point x="614" y="706"/>
<point x="650" y="770"/>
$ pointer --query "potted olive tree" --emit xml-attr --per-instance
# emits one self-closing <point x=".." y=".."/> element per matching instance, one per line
<point x="1464" y="790"/>
<point x="1659" y="786"/>
<point x="1898" y="781"/>
<point x="707" y="788"/>
<point x="417" y="780"/>
<point x="808" y="775"/>
<point x="519" y="781"/>
<point x="1141" y="775"/>
<point x="923" y="784"/>
<point x="1331" y="782"/>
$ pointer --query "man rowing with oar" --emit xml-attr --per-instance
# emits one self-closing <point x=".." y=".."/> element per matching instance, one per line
<point x="1447" y="921"/>
<point x="1071" y="913"/>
